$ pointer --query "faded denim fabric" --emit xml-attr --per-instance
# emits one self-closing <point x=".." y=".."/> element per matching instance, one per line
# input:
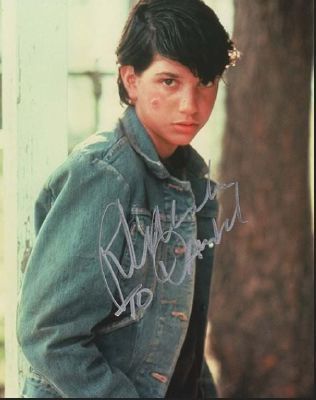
<point x="66" y="327"/>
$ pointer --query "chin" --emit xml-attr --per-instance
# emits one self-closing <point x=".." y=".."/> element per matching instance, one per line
<point x="184" y="141"/>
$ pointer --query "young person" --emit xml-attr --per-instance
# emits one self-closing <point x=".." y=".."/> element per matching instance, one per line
<point x="114" y="299"/>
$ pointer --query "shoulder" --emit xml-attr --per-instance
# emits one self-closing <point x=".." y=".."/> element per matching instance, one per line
<point x="102" y="156"/>
<point x="113" y="151"/>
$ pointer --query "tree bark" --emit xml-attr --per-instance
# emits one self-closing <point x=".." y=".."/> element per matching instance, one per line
<point x="261" y="307"/>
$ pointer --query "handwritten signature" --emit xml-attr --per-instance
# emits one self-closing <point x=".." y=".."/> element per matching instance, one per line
<point x="154" y="234"/>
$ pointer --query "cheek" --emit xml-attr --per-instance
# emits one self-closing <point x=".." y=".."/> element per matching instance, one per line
<point x="155" y="102"/>
<point x="208" y="105"/>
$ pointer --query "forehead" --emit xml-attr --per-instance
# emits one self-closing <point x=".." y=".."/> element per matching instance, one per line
<point x="161" y="66"/>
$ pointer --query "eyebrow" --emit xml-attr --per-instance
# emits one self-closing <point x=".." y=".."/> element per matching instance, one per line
<point x="169" y="74"/>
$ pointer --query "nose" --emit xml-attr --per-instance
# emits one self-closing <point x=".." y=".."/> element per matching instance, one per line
<point x="188" y="102"/>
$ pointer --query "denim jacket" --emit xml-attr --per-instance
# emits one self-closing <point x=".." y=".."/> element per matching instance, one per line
<point x="114" y="225"/>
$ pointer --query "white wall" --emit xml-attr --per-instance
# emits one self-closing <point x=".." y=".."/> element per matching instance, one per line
<point x="93" y="34"/>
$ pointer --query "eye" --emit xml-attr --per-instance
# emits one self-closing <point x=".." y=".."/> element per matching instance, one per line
<point x="207" y="84"/>
<point x="210" y="83"/>
<point x="169" y="82"/>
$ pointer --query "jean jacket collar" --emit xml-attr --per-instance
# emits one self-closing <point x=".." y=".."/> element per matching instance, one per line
<point x="141" y="142"/>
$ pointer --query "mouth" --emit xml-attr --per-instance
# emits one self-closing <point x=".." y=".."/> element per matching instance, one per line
<point x="186" y="123"/>
<point x="185" y="127"/>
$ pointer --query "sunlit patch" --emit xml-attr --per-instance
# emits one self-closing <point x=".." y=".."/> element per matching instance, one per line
<point x="93" y="139"/>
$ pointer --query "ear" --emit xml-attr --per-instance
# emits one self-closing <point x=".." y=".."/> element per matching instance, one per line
<point x="129" y="79"/>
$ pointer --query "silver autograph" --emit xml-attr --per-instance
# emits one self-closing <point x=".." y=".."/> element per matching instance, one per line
<point x="139" y="297"/>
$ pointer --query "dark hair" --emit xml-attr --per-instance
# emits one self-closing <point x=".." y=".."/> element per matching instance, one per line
<point x="187" y="31"/>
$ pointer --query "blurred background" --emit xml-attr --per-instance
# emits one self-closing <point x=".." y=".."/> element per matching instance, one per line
<point x="93" y="30"/>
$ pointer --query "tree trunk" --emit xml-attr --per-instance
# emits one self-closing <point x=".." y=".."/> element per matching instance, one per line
<point x="261" y="308"/>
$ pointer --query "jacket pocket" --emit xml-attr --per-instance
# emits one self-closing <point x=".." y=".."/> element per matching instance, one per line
<point x="133" y="278"/>
<point x="112" y="322"/>
<point x="117" y="338"/>
<point x="137" y="262"/>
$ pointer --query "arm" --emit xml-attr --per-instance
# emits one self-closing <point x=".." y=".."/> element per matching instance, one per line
<point x="63" y="294"/>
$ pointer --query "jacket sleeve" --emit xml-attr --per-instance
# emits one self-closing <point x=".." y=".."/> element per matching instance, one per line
<point x="63" y="294"/>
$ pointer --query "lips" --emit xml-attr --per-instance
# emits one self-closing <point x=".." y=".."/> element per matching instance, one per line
<point x="185" y="127"/>
<point x="186" y="123"/>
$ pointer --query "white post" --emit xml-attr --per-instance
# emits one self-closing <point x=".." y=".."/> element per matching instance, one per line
<point x="34" y="67"/>
<point x="1" y="139"/>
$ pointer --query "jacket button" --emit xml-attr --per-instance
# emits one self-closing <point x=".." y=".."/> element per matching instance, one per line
<point x="161" y="378"/>
<point x="182" y="316"/>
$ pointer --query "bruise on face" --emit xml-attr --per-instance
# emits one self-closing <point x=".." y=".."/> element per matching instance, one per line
<point x="154" y="102"/>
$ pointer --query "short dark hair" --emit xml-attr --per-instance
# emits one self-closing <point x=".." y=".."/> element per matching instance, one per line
<point x="186" y="31"/>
